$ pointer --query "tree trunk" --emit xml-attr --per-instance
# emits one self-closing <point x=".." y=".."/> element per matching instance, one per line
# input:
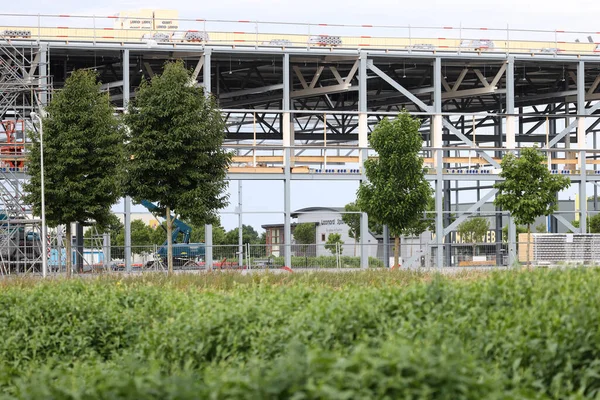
<point x="396" y="252"/>
<point x="69" y="258"/>
<point x="355" y="244"/>
<point x="528" y="244"/>
<point x="169" y="242"/>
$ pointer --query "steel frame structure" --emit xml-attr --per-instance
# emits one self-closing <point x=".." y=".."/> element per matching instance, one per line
<point x="294" y="113"/>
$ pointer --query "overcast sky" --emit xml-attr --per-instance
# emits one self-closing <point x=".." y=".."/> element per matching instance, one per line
<point x="268" y="196"/>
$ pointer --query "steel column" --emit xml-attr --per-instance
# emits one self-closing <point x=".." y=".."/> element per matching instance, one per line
<point x="206" y="84"/>
<point x="510" y="103"/>
<point x="240" y="226"/>
<point x="581" y="142"/>
<point x="363" y="144"/>
<point x="287" y="143"/>
<point x="206" y="71"/>
<point x="364" y="231"/>
<point x="43" y="68"/>
<point x="386" y="246"/>
<point x="438" y="158"/>
<point x="127" y="217"/>
<point x="208" y="251"/>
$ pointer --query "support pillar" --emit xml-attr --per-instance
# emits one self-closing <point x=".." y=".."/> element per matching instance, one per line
<point x="208" y="231"/>
<point x="127" y="207"/>
<point x="206" y="83"/>
<point x="208" y="249"/>
<point x="364" y="232"/>
<point x="581" y="143"/>
<point x="363" y="144"/>
<point x="43" y="68"/>
<point x="511" y="145"/>
<point x="386" y="246"/>
<point x="105" y="251"/>
<point x="512" y="242"/>
<point x="79" y="247"/>
<point x="438" y="159"/>
<point x="510" y="104"/>
<point x="498" y="216"/>
<point x="288" y="142"/>
<point x="240" y="227"/>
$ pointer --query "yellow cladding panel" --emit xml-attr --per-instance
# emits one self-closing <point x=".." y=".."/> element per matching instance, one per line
<point x="166" y="20"/>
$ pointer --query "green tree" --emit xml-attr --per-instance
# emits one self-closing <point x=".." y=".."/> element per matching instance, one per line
<point x="249" y="235"/>
<point x="143" y="236"/>
<point x="541" y="228"/>
<point x="528" y="189"/>
<point x="593" y="224"/>
<point x="353" y="221"/>
<point x="83" y="157"/>
<point x="519" y="229"/>
<point x="175" y="140"/>
<point x="396" y="193"/>
<point x="474" y="230"/>
<point x="305" y="234"/>
<point x="334" y="243"/>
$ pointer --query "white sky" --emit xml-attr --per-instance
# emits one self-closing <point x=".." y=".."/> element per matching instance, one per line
<point x="580" y="15"/>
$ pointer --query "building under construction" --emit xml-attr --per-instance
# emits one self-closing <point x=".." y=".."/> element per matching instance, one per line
<point x="300" y="100"/>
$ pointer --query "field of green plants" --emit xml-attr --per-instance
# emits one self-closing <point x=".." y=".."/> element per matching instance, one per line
<point x="371" y="334"/>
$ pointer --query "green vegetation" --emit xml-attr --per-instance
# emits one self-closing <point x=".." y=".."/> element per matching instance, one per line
<point x="334" y="243"/>
<point x="353" y="221"/>
<point x="529" y="189"/>
<point x="175" y="140"/>
<point x="83" y="157"/>
<point x="379" y="334"/>
<point x="305" y="234"/>
<point x="474" y="230"/>
<point x="396" y="193"/>
<point x="593" y="224"/>
<point x="327" y="262"/>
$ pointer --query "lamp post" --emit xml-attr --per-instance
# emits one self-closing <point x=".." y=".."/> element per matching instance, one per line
<point x="44" y="245"/>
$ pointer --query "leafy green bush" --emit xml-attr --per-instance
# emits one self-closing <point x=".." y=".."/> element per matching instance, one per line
<point x="327" y="262"/>
<point x="379" y="334"/>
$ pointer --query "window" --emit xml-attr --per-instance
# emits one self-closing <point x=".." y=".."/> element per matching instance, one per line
<point x="275" y="236"/>
<point x="322" y="237"/>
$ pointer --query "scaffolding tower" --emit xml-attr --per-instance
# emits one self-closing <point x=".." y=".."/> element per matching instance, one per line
<point x="23" y="89"/>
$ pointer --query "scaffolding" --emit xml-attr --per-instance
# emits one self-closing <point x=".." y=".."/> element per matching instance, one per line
<point x="23" y="89"/>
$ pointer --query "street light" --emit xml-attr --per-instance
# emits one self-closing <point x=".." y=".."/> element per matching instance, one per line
<point x="44" y="244"/>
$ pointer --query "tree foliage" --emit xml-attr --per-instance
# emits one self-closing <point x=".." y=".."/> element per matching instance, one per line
<point x="474" y="229"/>
<point x="396" y="193"/>
<point x="593" y="224"/>
<point x="352" y="219"/>
<point x="334" y="243"/>
<point x="175" y="142"/>
<point x="83" y="156"/>
<point x="519" y="229"/>
<point x="305" y="233"/>
<point x="528" y="189"/>
<point x="249" y="235"/>
<point x="176" y="159"/>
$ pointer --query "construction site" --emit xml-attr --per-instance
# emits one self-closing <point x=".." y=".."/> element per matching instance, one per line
<point x="300" y="100"/>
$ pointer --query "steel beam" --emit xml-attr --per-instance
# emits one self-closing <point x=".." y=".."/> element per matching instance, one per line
<point x="471" y="210"/>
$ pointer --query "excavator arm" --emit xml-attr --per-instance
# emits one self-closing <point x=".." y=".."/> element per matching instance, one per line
<point x="179" y="226"/>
